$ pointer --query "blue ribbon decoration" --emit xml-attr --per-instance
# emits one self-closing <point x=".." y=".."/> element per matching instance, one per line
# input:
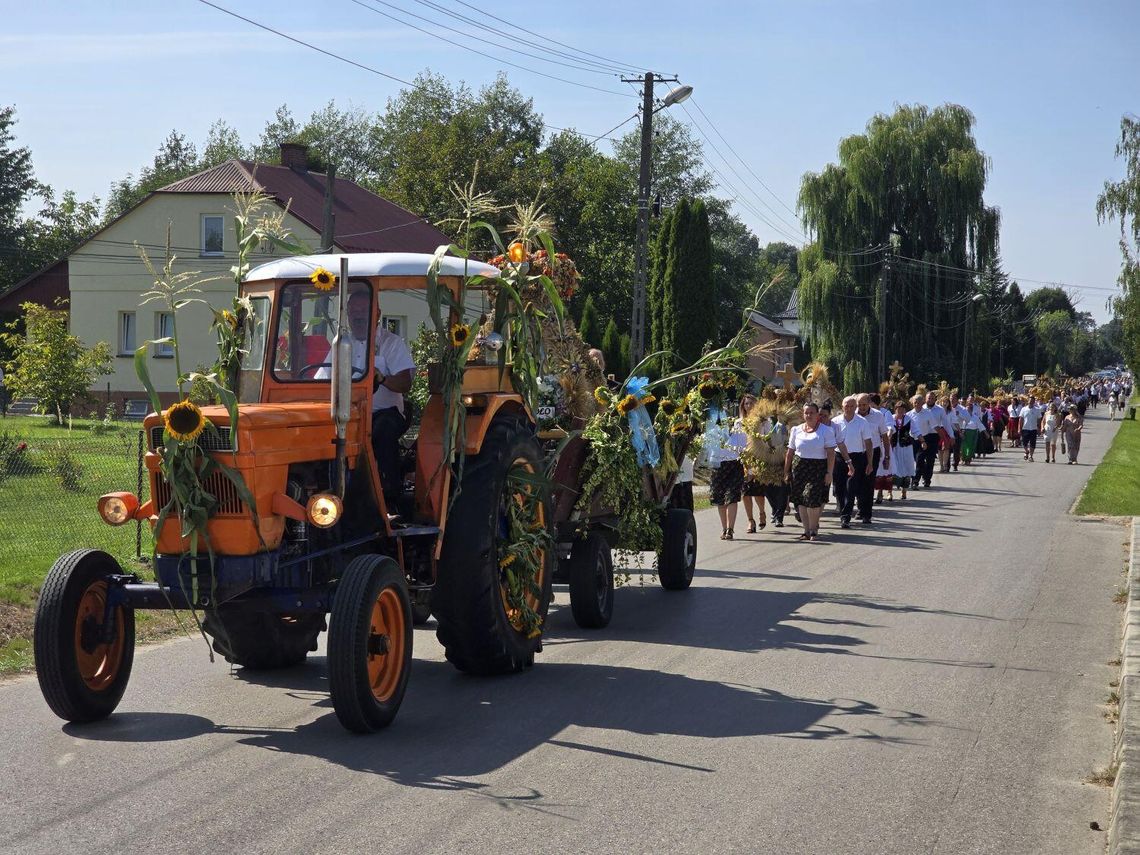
<point x="641" y="432"/>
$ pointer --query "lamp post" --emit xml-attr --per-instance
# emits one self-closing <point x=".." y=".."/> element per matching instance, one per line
<point x="644" y="184"/>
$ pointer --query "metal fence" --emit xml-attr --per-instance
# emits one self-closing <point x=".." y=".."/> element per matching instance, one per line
<point x="50" y="482"/>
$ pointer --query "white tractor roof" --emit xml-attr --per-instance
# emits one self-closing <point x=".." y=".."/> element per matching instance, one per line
<point x="367" y="264"/>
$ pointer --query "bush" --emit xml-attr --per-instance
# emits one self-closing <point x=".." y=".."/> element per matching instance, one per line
<point x="66" y="468"/>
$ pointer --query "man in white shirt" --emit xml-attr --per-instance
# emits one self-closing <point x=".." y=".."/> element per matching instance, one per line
<point x="853" y="461"/>
<point x="936" y="433"/>
<point x="881" y="450"/>
<point x="392" y="380"/>
<point x="1030" y="419"/>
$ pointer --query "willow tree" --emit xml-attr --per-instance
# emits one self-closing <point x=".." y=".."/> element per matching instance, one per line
<point x="902" y="207"/>
<point x="1121" y="201"/>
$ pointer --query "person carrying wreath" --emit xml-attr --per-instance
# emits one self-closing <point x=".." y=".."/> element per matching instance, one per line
<point x="807" y="467"/>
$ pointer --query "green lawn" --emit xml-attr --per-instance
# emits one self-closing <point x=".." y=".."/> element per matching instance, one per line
<point x="48" y="494"/>
<point x="1114" y="488"/>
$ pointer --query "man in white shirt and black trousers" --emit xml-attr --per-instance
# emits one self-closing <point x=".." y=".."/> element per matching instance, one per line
<point x="881" y="450"/>
<point x="853" y="461"/>
<point x="392" y="380"/>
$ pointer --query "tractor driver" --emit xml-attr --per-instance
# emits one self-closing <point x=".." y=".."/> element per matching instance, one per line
<point x="392" y="380"/>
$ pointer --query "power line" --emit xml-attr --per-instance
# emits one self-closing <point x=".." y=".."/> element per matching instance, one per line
<point x="515" y="26"/>
<point x="600" y="67"/>
<point x="477" y="52"/>
<point x="741" y="159"/>
<point x="305" y="44"/>
<point x="516" y="49"/>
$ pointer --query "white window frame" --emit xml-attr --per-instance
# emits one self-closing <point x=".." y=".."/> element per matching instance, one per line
<point x="127" y="333"/>
<point x="212" y="253"/>
<point x="161" y="330"/>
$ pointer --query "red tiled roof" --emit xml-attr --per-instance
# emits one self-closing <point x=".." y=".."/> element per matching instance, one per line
<point x="365" y="222"/>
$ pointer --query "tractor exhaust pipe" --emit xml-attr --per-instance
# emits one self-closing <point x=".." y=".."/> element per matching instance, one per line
<point x="342" y="376"/>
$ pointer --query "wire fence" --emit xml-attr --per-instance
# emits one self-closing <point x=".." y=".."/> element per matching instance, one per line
<point x="50" y="482"/>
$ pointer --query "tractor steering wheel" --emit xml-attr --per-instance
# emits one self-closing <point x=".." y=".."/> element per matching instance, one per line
<point x="357" y="373"/>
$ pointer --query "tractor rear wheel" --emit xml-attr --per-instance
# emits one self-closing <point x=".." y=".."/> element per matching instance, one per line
<point x="262" y="641"/>
<point x="591" y="576"/>
<point x="370" y="643"/>
<point x="479" y="631"/>
<point x="82" y="672"/>
<point x="678" y="558"/>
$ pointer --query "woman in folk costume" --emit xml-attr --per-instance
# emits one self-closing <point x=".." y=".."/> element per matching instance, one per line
<point x="903" y="439"/>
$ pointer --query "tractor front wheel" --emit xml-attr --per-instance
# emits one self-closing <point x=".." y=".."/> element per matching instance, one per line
<point x="83" y="649"/>
<point x="370" y="643"/>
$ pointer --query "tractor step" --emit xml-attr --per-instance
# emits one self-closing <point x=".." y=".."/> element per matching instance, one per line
<point x="415" y="531"/>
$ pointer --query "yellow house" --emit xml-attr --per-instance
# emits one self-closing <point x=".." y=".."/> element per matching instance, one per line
<point x="106" y="279"/>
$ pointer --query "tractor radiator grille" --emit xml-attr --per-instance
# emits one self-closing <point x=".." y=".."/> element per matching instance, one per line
<point x="216" y="440"/>
<point x="217" y="485"/>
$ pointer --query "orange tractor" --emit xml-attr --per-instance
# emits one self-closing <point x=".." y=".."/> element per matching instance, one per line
<point x="323" y="537"/>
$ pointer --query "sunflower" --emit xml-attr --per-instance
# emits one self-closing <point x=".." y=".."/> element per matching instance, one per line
<point x="679" y="428"/>
<point x="708" y="390"/>
<point x="230" y="319"/>
<point x="728" y="380"/>
<point x="323" y="280"/>
<point x="668" y="406"/>
<point x="507" y="560"/>
<point x="628" y="404"/>
<point x="459" y="334"/>
<point x="648" y="399"/>
<point x="184" y="421"/>
<point x="602" y="396"/>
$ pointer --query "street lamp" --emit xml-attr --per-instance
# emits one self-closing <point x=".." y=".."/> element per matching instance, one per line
<point x="644" y="182"/>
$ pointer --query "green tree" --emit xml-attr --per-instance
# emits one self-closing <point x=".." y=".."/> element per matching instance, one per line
<point x="913" y="182"/>
<point x="778" y="259"/>
<point x="611" y="348"/>
<point x="736" y="269"/>
<point x="49" y="363"/>
<point x="589" y="327"/>
<point x="1054" y="332"/>
<point x="626" y="365"/>
<point x="1049" y="299"/>
<point x="176" y="158"/>
<point x="281" y="128"/>
<point x="1120" y="200"/>
<point x="665" y="322"/>
<point x="17" y="184"/>
<point x="223" y="142"/>
<point x="694" y="321"/>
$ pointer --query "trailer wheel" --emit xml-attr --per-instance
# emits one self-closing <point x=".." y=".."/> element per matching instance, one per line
<point x="678" y="558"/>
<point x="261" y="641"/>
<point x="370" y="643"/>
<point x="82" y="677"/>
<point x="591" y="576"/>
<point x="469" y="600"/>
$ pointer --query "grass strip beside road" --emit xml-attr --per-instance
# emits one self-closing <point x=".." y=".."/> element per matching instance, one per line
<point x="1114" y="488"/>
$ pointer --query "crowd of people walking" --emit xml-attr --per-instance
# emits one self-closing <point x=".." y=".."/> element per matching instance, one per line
<point x="861" y="455"/>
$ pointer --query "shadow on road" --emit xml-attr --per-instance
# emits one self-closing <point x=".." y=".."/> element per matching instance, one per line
<point x="453" y="727"/>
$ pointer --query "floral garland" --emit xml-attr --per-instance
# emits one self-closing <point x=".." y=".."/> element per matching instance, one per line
<point x="522" y="553"/>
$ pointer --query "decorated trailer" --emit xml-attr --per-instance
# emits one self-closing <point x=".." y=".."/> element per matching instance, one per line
<point x="272" y="521"/>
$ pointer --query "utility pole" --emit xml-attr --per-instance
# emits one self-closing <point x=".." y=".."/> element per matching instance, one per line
<point x="644" y="185"/>
<point x="328" y="229"/>
<point x="883" y="274"/>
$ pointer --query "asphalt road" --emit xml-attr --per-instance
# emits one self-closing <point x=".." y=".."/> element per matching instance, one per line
<point x="931" y="685"/>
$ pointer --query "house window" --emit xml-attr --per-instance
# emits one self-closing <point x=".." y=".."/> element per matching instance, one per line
<point x="163" y="328"/>
<point x="212" y="230"/>
<point x="126" y="333"/>
<point x="396" y="324"/>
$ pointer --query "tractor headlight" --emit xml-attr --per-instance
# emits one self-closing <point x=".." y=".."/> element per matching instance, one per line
<point x="118" y="508"/>
<point x="324" y="510"/>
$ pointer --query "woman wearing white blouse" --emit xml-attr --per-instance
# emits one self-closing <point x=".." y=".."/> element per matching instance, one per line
<point x="807" y="467"/>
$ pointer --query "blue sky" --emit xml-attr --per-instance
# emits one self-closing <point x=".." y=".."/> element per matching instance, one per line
<point x="98" y="86"/>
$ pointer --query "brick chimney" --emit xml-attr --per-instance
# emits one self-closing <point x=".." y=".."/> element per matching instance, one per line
<point x="295" y="156"/>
